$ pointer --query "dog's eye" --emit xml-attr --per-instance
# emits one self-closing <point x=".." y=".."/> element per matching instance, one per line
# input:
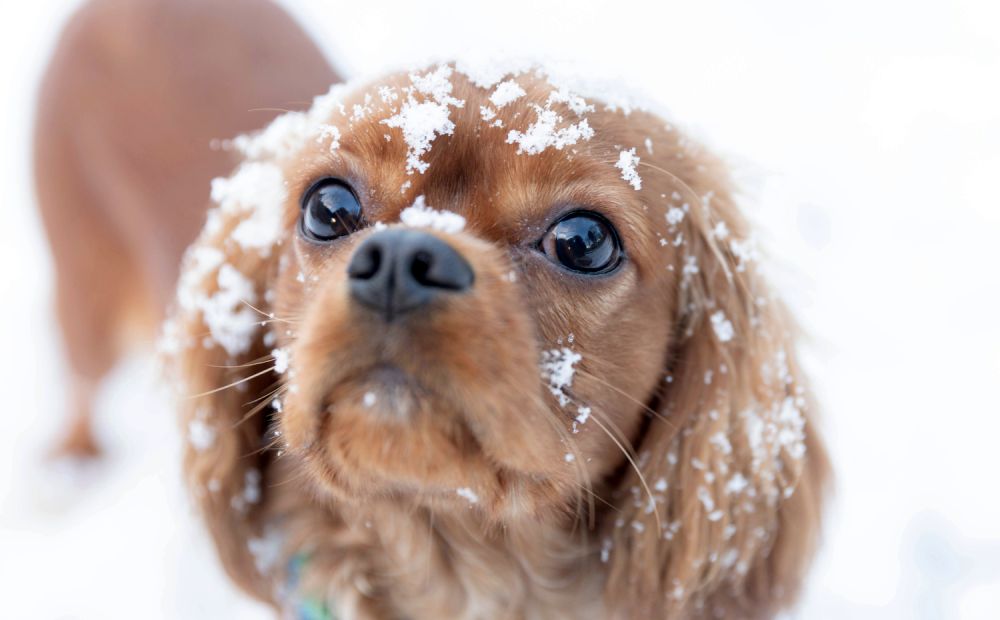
<point x="583" y="241"/>
<point x="330" y="210"/>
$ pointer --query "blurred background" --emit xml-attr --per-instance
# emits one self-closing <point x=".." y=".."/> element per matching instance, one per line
<point x="864" y="135"/>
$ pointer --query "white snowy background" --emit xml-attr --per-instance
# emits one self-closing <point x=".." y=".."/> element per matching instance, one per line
<point x="866" y="136"/>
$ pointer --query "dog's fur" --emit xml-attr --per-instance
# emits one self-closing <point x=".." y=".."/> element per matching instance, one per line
<point x="135" y="93"/>
<point x="471" y="487"/>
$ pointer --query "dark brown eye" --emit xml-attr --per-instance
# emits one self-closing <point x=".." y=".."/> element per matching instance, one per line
<point x="330" y="210"/>
<point x="583" y="241"/>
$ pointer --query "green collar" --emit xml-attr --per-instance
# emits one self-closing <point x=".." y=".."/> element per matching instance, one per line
<point x="299" y="606"/>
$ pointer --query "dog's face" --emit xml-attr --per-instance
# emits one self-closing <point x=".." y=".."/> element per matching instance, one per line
<point x="450" y="362"/>
<point x="501" y="300"/>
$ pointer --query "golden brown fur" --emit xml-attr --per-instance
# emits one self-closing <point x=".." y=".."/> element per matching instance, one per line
<point x="133" y="96"/>
<point x="688" y="493"/>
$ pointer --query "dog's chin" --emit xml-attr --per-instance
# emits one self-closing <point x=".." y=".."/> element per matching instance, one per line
<point x="382" y="433"/>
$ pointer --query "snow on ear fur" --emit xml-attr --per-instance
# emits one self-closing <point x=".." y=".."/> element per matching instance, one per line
<point x="737" y="473"/>
<point x="218" y="353"/>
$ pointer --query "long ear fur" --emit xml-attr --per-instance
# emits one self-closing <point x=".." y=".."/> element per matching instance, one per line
<point x="737" y="471"/>
<point x="219" y="350"/>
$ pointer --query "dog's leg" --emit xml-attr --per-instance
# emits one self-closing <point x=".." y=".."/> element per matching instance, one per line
<point x="78" y="441"/>
<point x="97" y="300"/>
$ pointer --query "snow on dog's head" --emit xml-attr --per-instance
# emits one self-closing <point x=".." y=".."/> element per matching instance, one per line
<point x="454" y="265"/>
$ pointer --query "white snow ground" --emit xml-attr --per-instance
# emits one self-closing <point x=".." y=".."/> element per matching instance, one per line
<point x="866" y="136"/>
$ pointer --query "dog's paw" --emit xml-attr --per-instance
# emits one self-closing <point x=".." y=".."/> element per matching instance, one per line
<point x="78" y="444"/>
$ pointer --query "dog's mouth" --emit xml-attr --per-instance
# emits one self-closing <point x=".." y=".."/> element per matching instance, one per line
<point x="388" y="392"/>
<point x="433" y="430"/>
<point x="383" y="431"/>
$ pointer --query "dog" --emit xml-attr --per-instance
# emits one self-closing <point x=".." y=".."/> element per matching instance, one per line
<point x="469" y="344"/>
<point x="133" y="96"/>
<point x="476" y="342"/>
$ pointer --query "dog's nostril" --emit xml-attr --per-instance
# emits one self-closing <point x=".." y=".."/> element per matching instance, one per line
<point x="366" y="263"/>
<point x="420" y="267"/>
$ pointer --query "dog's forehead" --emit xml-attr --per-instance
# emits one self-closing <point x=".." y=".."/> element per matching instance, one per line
<point x="464" y="145"/>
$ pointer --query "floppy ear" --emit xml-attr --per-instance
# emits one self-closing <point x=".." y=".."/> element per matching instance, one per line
<point x="218" y="352"/>
<point x="737" y="472"/>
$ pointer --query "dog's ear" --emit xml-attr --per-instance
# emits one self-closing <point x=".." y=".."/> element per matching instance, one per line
<point x="725" y="515"/>
<point x="218" y="347"/>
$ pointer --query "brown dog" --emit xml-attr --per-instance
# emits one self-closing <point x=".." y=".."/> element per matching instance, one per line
<point x="134" y="95"/>
<point x="460" y="344"/>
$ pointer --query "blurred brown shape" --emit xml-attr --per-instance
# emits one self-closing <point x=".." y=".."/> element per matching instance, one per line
<point x="134" y="95"/>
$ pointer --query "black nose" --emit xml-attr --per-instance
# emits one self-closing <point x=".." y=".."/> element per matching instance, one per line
<point x="396" y="271"/>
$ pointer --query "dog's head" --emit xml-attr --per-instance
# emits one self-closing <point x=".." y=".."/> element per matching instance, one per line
<point x="497" y="296"/>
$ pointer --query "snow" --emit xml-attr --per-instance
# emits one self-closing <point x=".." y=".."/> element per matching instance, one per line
<point x="281" y="360"/>
<point x="251" y="493"/>
<point x="467" y="494"/>
<point x="266" y="550"/>
<point x="331" y="133"/>
<point x="421" y="123"/>
<point x="722" y="326"/>
<point x="674" y="216"/>
<point x="231" y="322"/>
<point x="545" y="133"/>
<point x="257" y="188"/>
<point x="557" y="368"/>
<point x="279" y="139"/>
<point x="873" y="264"/>
<point x="737" y="483"/>
<point x="201" y="436"/>
<point x="721" y="441"/>
<point x="721" y="231"/>
<point x="505" y="93"/>
<point x="627" y="161"/>
<point x="486" y="70"/>
<point x="745" y="251"/>
<point x="422" y="120"/>
<point x="705" y="497"/>
<point x="419" y="215"/>
<point x="791" y="428"/>
<point x="368" y="400"/>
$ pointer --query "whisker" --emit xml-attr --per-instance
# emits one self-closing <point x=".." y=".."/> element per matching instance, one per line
<point x="583" y="477"/>
<point x="234" y="383"/>
<point x="300" y="474"/>
<point x="635" y="466"/>
<point x="713" y="246"/>
<point x="645" y="407"/>
<point x="274" y="388"/>
<point x="283" y="110"/>
<point x="257" y="362"/>
<point x="274" y="442"/>
<point x="256" y="409"/>
<point x="268" y="315"/>
<point x="270" y="321"/>
<point x="593" y="495"/>
<point x="290" y="321"/>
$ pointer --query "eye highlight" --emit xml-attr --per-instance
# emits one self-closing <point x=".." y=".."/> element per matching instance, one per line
<point x="583" y="241"/>
<point x="330" y="210"/>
